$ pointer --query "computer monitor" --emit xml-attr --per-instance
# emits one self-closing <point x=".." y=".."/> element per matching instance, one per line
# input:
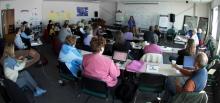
<point x="120" y="56"/>
<point x="188" y="62"/>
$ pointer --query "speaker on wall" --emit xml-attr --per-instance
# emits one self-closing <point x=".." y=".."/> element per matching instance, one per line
<point x="96" y="14"/>
<point x="172" y="18"/>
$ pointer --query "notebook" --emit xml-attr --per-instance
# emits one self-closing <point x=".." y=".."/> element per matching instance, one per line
<point x="119" y="56"/>
<point x="188" y="62"/>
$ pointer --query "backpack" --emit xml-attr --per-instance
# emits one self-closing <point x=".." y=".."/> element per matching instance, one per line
<point x="126" y="91"/>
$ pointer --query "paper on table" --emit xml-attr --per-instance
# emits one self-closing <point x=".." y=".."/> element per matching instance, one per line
<point x="211" y="71"/>
<point x="152" y="68"/>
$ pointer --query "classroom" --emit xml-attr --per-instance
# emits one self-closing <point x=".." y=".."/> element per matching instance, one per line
<point x="109" y="51"/>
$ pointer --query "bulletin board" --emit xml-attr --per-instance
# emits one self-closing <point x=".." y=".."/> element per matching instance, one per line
<point x="203" y="23"/>
<point x="190" y="22"/>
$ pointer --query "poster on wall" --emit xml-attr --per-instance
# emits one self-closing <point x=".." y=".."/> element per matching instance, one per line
<point x="190" y="22"/>
<point x="82" y="11"/>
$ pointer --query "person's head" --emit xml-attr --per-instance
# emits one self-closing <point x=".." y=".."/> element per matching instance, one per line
<point x="25" y="23"/>
<point x="98" y="44"/>
<point x="119" y="39"/>
<point x="153" y="41"/>
<point x="194" y="31"/>
<point x="9" y="50"/>
<point x="18" y="31"/>
<point x="191" y="46"/>
<point x="70" y="40"/>
<point x="131" y="17"/>
<point x="199" y="30"/>
<point x="156" y="27"/>
<point x="151" y="28"/>
<point x="22" y="28"/>
<point x="50" y="22"/>
<point x="201" y="60"/>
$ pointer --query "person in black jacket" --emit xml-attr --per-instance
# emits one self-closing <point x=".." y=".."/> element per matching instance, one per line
<point x="120" y="43"/>
<point x="149" y="35"/>
<point x="190" y="50"/>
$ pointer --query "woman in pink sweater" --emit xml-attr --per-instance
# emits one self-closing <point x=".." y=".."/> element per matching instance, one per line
<point x="99" y="66"/>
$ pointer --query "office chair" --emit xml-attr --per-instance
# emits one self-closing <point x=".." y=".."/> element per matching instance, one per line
<point x="65" y="73"/>
<point x="171" y="34"/>
<point x="150" y="83"/>
<point x="94" y="87"/>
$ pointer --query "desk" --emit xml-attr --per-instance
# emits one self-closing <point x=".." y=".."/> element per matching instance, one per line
<point x="24" y="53"/>
<point x="164" y="69"/>
<point x="179" y="39"/>
<point x="170" y="49"/>
<point x="37" y="42"/>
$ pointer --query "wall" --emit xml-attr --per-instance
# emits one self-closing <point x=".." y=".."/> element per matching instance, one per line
<point x="107" y="11"/>
<point x="148" y="14"/>
<point x="19" y="5"/>
<point x="69" y="8"/>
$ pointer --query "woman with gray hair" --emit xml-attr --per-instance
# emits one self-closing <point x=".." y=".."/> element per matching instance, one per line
<point x="197" y="78"/>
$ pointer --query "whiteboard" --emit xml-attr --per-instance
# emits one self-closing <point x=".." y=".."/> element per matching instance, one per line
<point x="163" y="21"/>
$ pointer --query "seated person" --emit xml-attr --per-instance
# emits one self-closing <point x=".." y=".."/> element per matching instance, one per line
<point x="25" y="37"/>
<point x="149" y="35"/>
<point x="194" y="37"/>
<point x="99" y="66"/>
<point x="197" y="78"/>
<point x="14" y="70"/>
<point x="64" y="32"/>
<point x="190" y="50"/>
<point x="200" y="36"/>
<point x="88" y="38"/>
<point x="127" y="35"/>
<point x="120" y="43"/>
<point x="18" y="41"/>
<point x="153" y="47"/>
<point x="70" y="55"/>
<point x="157" y="30"/>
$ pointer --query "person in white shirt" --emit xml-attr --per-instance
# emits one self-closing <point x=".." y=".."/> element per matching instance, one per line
<point x="14" y="70"/>
<point x="18" y="41"/>
<point x="195" y="37"/>
<point x="88" y="37"/>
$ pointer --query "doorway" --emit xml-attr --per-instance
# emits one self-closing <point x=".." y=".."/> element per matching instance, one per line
<point x="8" y="22"/>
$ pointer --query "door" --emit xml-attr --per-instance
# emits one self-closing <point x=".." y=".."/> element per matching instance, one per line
<point x="8" y="22"/>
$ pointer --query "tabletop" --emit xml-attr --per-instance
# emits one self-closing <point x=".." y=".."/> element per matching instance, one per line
<point x="33" y="53"/>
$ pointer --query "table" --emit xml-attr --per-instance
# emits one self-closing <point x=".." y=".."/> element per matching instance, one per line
<point x="24" y="53"/>
<point x="170" y="49"/>
<point x="37" y="42"/>
<point x="164" y="69"/>
<point x="179" y="39"/>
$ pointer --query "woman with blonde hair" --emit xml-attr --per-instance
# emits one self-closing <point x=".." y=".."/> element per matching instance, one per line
<point x="13" y="70"/>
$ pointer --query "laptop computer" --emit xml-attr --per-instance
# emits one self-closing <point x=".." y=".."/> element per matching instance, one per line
<point x="119" y="56"/>
<point x="188" y="62"/>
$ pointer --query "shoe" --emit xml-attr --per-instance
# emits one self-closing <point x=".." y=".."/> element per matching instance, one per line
<point x="39" y="92"/>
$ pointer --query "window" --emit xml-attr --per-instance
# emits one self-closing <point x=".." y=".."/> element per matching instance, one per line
<point x="215" y="22"/>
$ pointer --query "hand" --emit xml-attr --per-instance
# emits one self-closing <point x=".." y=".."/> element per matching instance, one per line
<point x="20" y="58"/>
<point x="177" y="81"/>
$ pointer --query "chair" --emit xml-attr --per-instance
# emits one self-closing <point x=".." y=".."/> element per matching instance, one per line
<point x="152" y="58"/>
<point x="191" y="97"/>
<point x="65" y="73"/>
<point x="171" y="34"/>
<point x="94" y="87"/>
<point x="150" y="83"/>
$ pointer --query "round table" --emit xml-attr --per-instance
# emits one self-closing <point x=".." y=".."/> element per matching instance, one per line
<point x="25" y="53"/>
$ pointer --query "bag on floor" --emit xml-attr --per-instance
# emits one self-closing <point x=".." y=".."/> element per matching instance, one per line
<point x="126" y="91"/>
